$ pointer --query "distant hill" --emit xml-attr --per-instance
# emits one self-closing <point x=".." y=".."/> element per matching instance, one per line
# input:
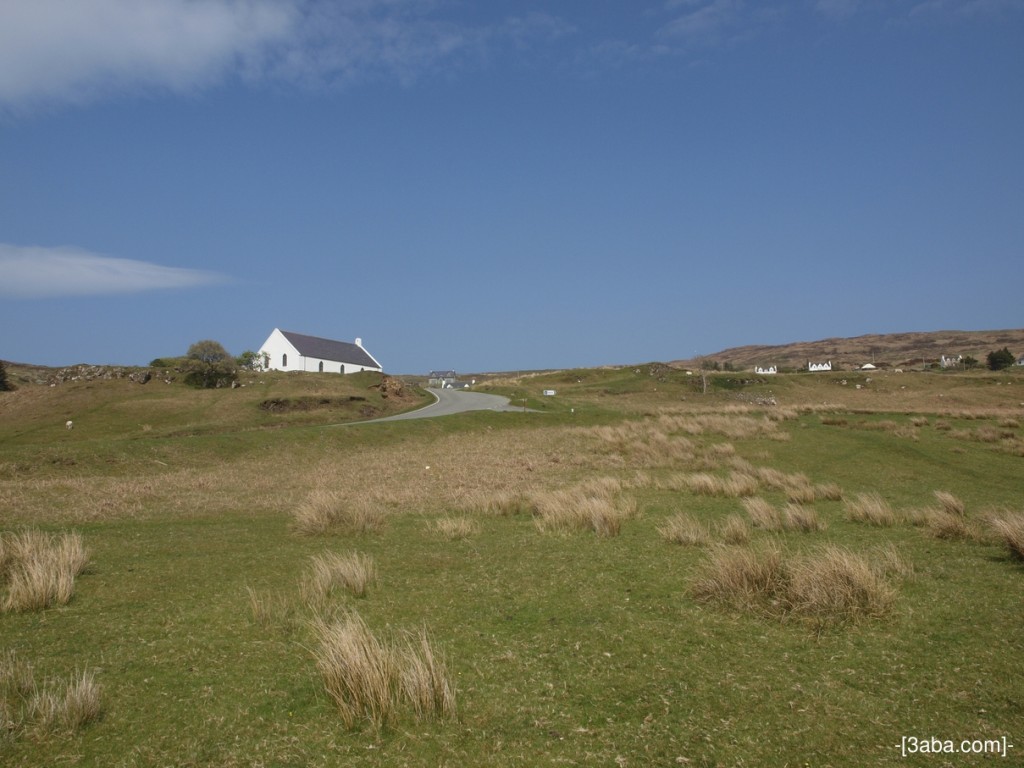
<point x="884" y="350"/>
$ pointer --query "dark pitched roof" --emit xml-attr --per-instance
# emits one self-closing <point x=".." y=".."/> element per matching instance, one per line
<point x="327" y="349"/>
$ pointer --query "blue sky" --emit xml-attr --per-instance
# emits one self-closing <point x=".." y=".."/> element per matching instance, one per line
<point x="506" y="184"/>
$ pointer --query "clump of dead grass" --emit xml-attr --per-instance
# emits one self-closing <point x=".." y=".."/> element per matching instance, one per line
<point x="373" y="681"/>
<point x="870" y="508"/>
<point x="797" y="517"/>
<point x="500" y="503"/>
<point x="352" y="572"/>
<point x="947" y="521"/>
<point x="39" y="569"/>
<point x="453" y="528"/>
<point x="886" y="560"/>
<point x="741" y="577"/>
<point x="791" y="517"/>
<point x="269" y="609"/>
<point x="797" y="487"/>
<point x="952" y="527"/>
<point x="734" y="530"/>
<point x="685" y="530"/>
<point x="47" y="707"/>
<point x="829" y="586"/>
<point x="643" y="443"/>
<point x="762" y="514"/>
<point x="835" y="585"/>
<point x="325" y="511"/>
<point x="425" y="680"/>
<point x="1009" y="527"/>
<point x="596" y="505"/>
<point x="828" y="492"/>
<point x="734" y="485"/>
<point x="950" y="504"/>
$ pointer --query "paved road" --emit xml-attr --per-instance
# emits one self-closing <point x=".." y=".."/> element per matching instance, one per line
<point x="451" y="401"/>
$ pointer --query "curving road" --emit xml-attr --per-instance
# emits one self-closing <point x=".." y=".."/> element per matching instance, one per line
<point x="450" y="401"/>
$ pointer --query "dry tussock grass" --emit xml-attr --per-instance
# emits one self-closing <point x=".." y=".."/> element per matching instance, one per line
<point x="734" y="530"/>
<point x="741" y="577"/>
<point x="373" y="681"/>
<point x="642" y="443"/>
<point x="1004" y="438"/>
<point x="791" y="517"/>
<point x="1009" y="527"/>
<point x="148" y="488"/>
<point x="870" y="508"/>
<point x="803" y="493"/>
<point x="829" y="586"/>
<point x="797" y="486"/>
<point x="735" y="485"/>
<point x="425" y="680"/>
<point x="685" y="530"/>
<point x="325" y="511"/>
<point x="733" y="424"/>
<point x="358" y="670"/>
<point x="796" y="517"/>
<point x="39" y="569"/>
<point x="499" y="503"/>
<point x="828" y="492"/>
<point x="947" y="521"/>
<point x="55" y="705"/>
<point x="837" y="585"/>
<point x="459" y="465"/>
<point x="762" y="514"/>
<point x="270" y="609"/>
<point x="453" y="528"/>
<point x="596" y="505"/>
<point x="950" y="504"/>
<point x="352" y="572"/>
<point x="952" y="527"/>
<point x="886" y="561"/>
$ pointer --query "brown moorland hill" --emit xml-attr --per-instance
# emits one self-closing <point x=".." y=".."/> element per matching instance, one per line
<point x="884" y="350"/>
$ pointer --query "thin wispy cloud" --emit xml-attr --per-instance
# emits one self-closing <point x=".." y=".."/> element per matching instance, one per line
<point x="966" y="8"/>
<point x="837" y="9"/>
<point x="703" y="22"/>
<point x="54" y="52"/>
<point x="33" y="272"/>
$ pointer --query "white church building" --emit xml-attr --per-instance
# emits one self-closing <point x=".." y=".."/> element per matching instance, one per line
<point x="288" y="351"/>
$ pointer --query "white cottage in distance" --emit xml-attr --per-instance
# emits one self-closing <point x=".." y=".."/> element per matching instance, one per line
<point x="288" y="351"/>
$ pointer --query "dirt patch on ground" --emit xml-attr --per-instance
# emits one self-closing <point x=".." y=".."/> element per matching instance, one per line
<point x="309" y="403"/>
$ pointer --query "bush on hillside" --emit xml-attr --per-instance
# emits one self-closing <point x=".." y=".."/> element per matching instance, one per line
<point x="1000" y="359"/>
<point x="209" y="365"/>
<point x="5" y="385"/>
<point x="253" y="361"/>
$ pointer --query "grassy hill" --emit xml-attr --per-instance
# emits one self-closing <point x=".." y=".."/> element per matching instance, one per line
<point x="647" y="568"/>
<point x="892" y="349"/>
<point x="117" y="402"/>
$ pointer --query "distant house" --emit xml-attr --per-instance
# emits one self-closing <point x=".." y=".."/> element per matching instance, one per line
<point x="770" y="370"/>
<point x="440" y="378"/>
<point x="287" y="351"/>
<point x="446" y="380"/>
<point x="819" y="366"/>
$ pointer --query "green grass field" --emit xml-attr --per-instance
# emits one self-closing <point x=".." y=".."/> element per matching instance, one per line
<point x="578" y="640"/>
